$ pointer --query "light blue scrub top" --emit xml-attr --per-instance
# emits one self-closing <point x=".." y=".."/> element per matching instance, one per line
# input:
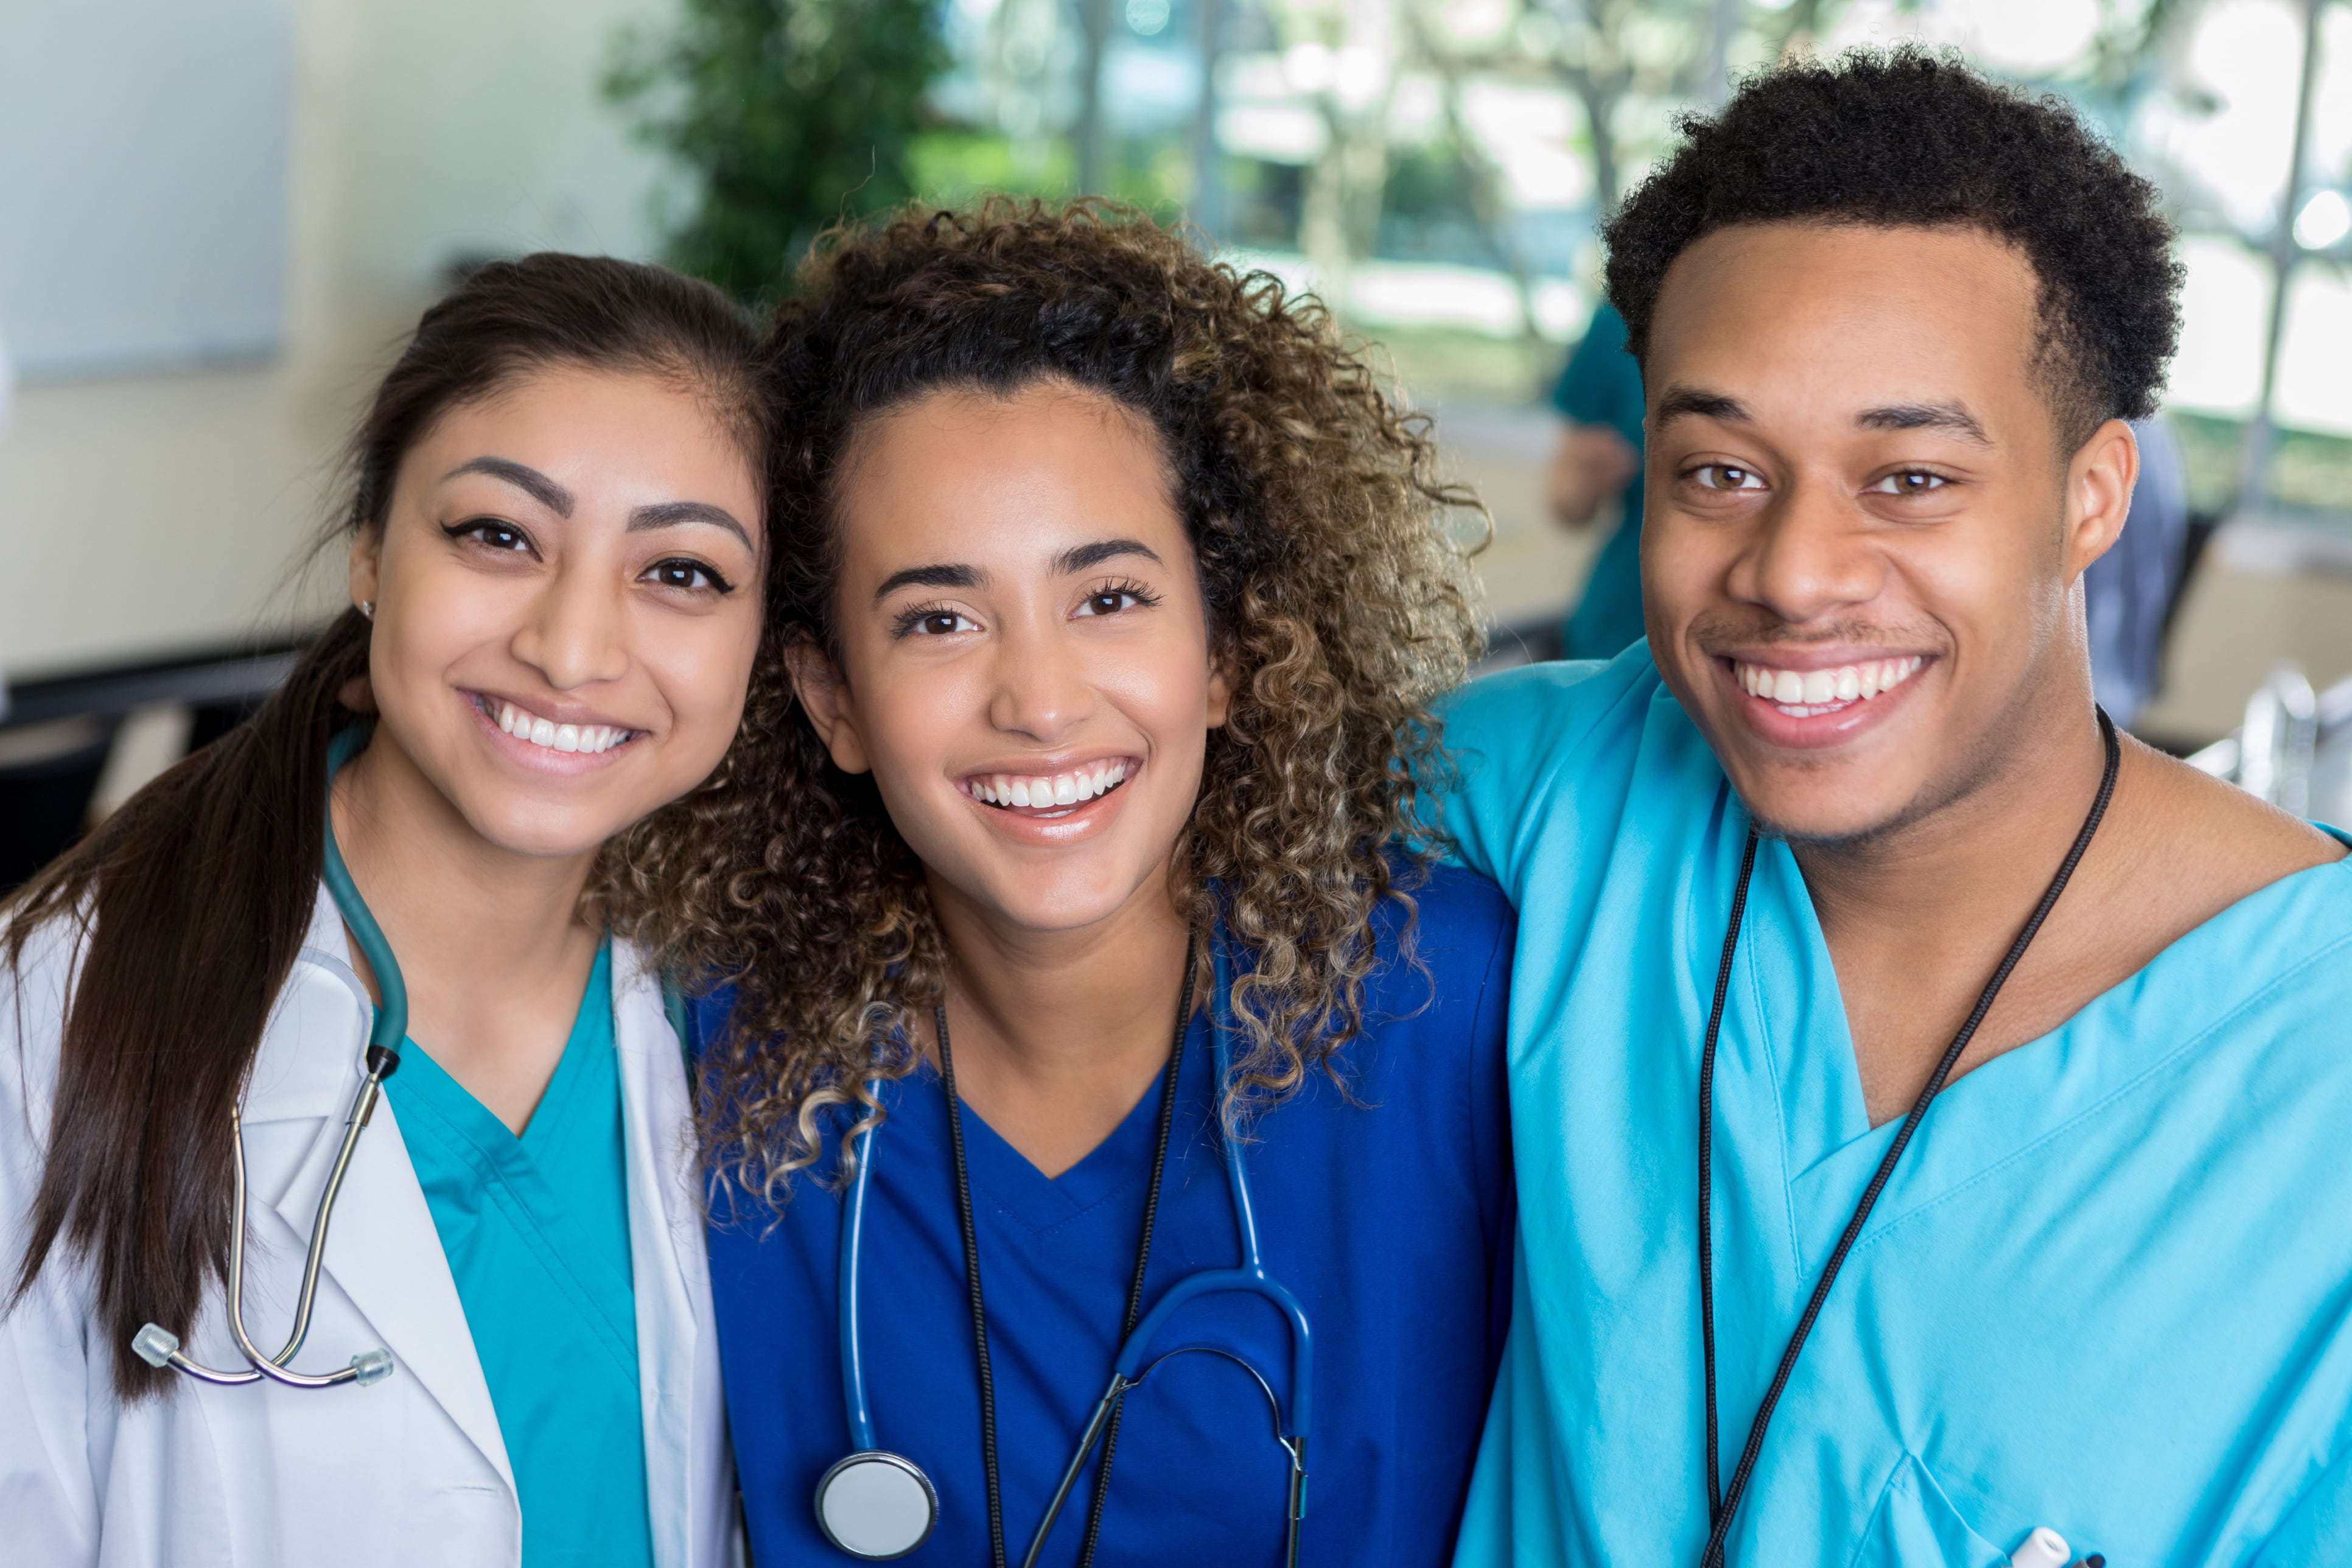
<point x="536" y="1229"/>
<point x="2106" y="1291"/>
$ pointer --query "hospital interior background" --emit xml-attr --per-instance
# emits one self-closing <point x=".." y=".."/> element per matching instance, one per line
<point x="218" y="216"/>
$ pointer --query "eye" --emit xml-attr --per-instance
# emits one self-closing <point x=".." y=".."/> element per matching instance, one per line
<point x="1911" y="482"/>
<point x="1727" y="476"/>
<point x="934" y="621"/>
<point x="688" y="575"/>
<point x="493" y="534"/>
<point x="1116" y="597"/>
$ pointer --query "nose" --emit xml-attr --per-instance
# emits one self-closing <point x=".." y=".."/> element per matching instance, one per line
<point x="574" y="634"/>
<point x="1811" y="554"/>
<point x="1038" y="686"/>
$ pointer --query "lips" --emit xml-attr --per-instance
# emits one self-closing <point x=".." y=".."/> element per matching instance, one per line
<point x="1807" y="693"/>
<point x="1047" y="796"/>
<point x="537" y="729"/>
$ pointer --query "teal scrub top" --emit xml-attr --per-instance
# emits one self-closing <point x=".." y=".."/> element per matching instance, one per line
<point x="536" y="1229"/>
<point x="2108" y="1290"/>
<point x="1601" y="384"/>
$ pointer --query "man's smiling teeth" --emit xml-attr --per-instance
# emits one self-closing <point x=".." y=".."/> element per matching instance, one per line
<point x="555" y="737"/>
<point x="1808" y="691"/>
<point x="1060" y="790"/>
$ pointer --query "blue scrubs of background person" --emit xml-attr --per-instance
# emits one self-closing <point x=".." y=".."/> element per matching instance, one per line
<point x="1599" y="390"/>
<point x="1391" y="1217"/>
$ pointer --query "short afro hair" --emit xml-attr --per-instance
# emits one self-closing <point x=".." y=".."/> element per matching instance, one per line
<point x="1908" y="138"/>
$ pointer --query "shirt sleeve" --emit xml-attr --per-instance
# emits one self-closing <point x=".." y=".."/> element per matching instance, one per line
<point x="1510" y="739"/>
<point x="47" y="1492"/>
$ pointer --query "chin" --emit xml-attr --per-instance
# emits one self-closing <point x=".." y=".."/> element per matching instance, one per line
<point x="1062" y="903"/>
<point x="1830" y="819"/>
<point x="549" y="834"/>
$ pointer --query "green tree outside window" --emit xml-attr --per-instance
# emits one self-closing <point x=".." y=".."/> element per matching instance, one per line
<point x="790" y="113"/>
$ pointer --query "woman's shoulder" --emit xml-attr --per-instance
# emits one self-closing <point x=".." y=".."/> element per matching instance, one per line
<point x="1457" y="918"/>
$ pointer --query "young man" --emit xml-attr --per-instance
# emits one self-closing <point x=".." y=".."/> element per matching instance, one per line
<point x="1892" y="319"/>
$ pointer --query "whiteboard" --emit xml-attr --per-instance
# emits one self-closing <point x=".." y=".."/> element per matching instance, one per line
<point x="142" y="182"/>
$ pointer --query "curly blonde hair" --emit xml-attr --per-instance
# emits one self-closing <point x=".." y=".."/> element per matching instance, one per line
<point x="1338" y="599"/>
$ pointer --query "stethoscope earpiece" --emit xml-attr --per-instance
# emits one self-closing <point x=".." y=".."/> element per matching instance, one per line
<point x="876" y="1505"/>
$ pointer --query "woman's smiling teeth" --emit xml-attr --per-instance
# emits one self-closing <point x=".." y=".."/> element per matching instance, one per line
<point x="1053" y="793"/>
<point x="1801" y="693"/>
<point x="555" y="737"/>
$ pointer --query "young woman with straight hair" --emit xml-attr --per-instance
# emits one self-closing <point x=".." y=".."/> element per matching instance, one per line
<point x="343" y="1159"/>
<point x="1098" y="1003"/>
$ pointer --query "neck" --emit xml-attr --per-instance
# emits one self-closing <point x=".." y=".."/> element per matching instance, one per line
<point x="468" y="919"/>
<point x="1057" y="1035"/>
<point x="1916" y="919"/>
<point x="1982" y="858"/>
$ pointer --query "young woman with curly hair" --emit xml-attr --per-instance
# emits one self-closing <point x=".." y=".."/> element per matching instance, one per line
<point x="1115" y="591"/>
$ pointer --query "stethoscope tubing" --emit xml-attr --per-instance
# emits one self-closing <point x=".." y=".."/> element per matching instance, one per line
<point x="1250" y="1277"/>
<point x="388" y="1025"/>
<point x="853" y="1242"/>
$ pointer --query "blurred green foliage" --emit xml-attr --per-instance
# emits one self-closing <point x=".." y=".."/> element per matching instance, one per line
<point x="2311" y="474"/>
<point x="790" y="113"/>
<point x="954" y="164"/>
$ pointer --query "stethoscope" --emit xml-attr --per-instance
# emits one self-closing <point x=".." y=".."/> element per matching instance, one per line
<point x="1723" y="1500"/>
<point x="875" y="1504"/>
<point x="158" y="1346"/>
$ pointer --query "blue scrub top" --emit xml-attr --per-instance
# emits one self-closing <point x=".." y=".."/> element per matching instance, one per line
<point x="2106" y="1290"/>
<point x="536" y="1229"/>
<point x="1390" y="1219"/>
<point x="1601" y="384"/>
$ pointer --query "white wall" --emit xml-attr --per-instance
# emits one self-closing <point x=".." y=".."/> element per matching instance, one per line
<point x="150" y="514"/>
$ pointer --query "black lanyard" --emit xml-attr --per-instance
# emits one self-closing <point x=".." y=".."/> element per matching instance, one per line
<point x="1135" y="1286"/>
<point x="1723" y="1503"/>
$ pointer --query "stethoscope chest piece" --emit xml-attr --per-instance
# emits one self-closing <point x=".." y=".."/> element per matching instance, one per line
<point x="876" y="1505"/>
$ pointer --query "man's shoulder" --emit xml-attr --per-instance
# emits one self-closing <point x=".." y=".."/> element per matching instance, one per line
<point x="1554" y="753"/>
<point x="1537" y="710"/>
<point x="2204" y="847"/>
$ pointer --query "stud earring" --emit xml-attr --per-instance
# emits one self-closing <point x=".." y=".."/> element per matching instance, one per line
<point x="367" y="608"/>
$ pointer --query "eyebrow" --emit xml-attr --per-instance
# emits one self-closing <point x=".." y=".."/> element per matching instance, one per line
<point x="1948" y="418"/>
<point x="1078" y="557"/>
<point x="529" y="480"/>
<point x="939" y="576"/>
<point x="1696" y="403"/>
<point x="672" y="513"/>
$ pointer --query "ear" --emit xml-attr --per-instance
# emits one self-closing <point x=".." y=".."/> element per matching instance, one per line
<point x="1221" y="689"/>
<point x="824" y="697"/>
<point x="367" y="565"/>
<point x="2098" y="494"/>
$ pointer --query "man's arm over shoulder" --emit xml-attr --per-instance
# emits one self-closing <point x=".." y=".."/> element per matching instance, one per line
<point x="1516" y="743"/>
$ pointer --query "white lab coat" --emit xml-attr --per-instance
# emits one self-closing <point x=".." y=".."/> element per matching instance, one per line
<point x="409" y="1470"/>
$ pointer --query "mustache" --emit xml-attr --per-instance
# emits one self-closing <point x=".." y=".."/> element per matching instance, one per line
<point x="1758" y="631"/>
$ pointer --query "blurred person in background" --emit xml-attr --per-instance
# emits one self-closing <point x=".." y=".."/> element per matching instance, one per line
<point x="1598" y="461"/>
<point x="2130" y="591"/>
<point x="1088" y="944"/>
<point x="556" y="579"/>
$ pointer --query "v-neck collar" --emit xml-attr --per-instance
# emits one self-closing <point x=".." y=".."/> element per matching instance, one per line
<point x="557" y="1105"/>
<point x="457" y="1105"/>
<point x="1786" y="1044"/>
<point x="1113" y="1168"/>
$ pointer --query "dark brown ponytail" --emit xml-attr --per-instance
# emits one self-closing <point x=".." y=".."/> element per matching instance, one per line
<point x="190" y="903"/>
